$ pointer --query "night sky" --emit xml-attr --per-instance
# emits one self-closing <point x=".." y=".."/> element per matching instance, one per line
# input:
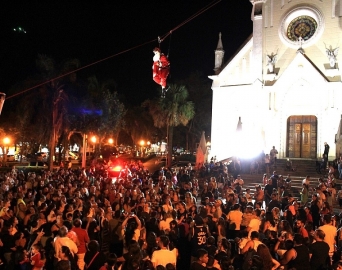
<point x="93" y="30"/>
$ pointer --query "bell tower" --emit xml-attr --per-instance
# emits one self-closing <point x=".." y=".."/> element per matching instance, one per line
<point x="219" y="55"/>
<point x="257" y="18"/>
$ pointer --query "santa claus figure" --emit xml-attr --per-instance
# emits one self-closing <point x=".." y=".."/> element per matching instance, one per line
<point x="160" y="68"/>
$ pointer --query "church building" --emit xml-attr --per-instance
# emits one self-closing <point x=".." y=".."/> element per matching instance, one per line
<point x="283" y="86"/>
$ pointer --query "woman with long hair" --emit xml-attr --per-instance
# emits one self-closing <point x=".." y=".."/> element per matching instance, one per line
<point x="65" y="255"/>
<point x="30" y="214"/>
<point x="131" y="227"/>
<point x="143" y="231"/>
<point x="223" y="249"/>
<point x="189" y="202"/>
<point x="127" y="205"/>
<point x="110" y="262"/>
<point x="59" y="223"/>
<point x="326" y="209"/>
<point x="221" y="229"/>
<point x="268" y="262"/>
<point x="285" y="227"/>
<point x="276" y="215"/>
<point x="269" y="223"/>
<point x="94" y="258"/>
<point x="151" y="242"/>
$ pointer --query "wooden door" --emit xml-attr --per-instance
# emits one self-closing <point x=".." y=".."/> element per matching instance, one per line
<point x="297" y="140"/>
<point x="305" y="151"/>
<point x="301" y="136"/>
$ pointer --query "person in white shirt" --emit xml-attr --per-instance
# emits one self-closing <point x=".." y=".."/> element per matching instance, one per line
<point x="234" y="219"/>
<point x="254" y="224"/>
<point x="164" y="255"/>
<point x="306" y="180"/>
<point x="63" y="240"/>
<point x="330" y="233"/>
<point x="164" y="225"/>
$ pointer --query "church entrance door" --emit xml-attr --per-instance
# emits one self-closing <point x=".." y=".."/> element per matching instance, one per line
<point x="301" y="136"/>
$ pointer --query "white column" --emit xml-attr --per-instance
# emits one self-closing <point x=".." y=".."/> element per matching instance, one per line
<point x="266" y="17"/>
<point x="257" y="47"/>
<point x="333" y="8"/>
<point x="271" y="17"/>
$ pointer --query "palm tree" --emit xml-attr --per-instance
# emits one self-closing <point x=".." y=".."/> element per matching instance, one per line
<point x="170" y="112"/>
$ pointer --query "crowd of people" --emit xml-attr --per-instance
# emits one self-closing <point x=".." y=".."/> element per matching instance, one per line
<point x="185" y="219"/>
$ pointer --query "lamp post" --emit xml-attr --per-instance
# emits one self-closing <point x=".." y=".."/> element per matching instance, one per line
<point x="148" y="146"/>
<point x="110" y="141"/>
<point x="142" y="143"/>
<point x="84" y="146"/>
<point x="6" y="142"/>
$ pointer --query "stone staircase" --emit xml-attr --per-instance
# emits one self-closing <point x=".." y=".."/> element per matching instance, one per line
<point x="302" y="169"/>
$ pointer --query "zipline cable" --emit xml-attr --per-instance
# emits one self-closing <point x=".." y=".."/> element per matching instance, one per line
<point x="159" y="39"/>
<point x="215" y="2"/>
<point x="78" y="69"/>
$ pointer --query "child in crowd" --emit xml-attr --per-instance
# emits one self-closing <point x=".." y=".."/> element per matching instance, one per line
<point x="37" y="257"/>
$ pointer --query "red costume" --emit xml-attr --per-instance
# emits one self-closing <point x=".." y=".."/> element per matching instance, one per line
<point x="160" y="68"/>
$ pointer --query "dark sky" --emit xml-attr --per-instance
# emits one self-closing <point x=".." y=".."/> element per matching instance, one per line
<point x="92" y="30"/>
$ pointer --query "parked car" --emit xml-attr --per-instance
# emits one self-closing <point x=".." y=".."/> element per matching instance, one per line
<point x="185" y="159"/>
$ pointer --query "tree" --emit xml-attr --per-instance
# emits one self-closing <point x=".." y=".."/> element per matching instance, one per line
<point x="139" y="124"/>
<point x="201" y="94"/>
<point x="170" y="112"/>
<point x="100" y="112"/>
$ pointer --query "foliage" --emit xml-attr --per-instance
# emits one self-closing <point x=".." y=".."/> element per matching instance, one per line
<point x="200" y="93"/>
<point x="100" y="112"/>
<point x="139" y="124"/>
<point x="171" y="111"/>
<point x="46" y="115"/>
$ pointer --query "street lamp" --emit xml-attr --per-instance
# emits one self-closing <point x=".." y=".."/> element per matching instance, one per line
<point x="6" y="140"/>
<point x="93" y="140"/>
<point x="111" y="141"/>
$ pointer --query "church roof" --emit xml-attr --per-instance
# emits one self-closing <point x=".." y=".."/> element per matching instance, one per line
<point x="313" y="64"/>
<point x="303" y="67"/>
<point x="237" y="52"/>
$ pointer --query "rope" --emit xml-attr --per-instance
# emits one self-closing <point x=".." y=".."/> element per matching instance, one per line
<point x="78" y="69"/>
<point x="160" y="40"/>
<point x="215" y="2"/>
<point x="168" y="51"/>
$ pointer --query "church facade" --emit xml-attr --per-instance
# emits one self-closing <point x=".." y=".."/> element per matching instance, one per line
<point x="283" y="86"/>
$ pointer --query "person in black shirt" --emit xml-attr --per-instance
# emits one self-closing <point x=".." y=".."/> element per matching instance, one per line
<point x="326" y="153"/>
<point x="202" y="260"/>
<point x="274" y="179"/>
<point x="319" y="251"/>
<point x="298" y="257"/>
<point x="315" y="211"/>
<point x="273" y="203"/>
<point x="211" y="248"/>
<point x="268" y="192"/>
